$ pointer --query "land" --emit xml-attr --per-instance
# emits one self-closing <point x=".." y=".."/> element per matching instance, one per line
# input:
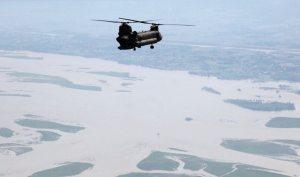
<point x="208" y="89"/>
<point x="290" y="142"/>
<point x="264" y="148"/>
<point x="260" y="105"/>
<point x="10" y="144"/>
<point x="175" y="149"/>
<point x="166" y="162"/>
<point x="188" y="119"/>
<point x="49" y="136"/>
<point x="69" y="169"/>
<point x="155" y="175"/>
<point x="17" y="150"/>
<point x="152" y="117"/>
<point x="284" y="122"/>
<point x="114" y="74"/>
<point x="39" y="78"/>
<point x="48" y="125"/>
<point x="126" y="84"/>
<point x="223" y="63"/>
<point x="235" y="45"/>
<point x="32" y="116"/>
<point x="5" y="132"/>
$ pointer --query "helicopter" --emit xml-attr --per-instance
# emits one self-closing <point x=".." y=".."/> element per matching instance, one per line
<point x="130" y="40"/>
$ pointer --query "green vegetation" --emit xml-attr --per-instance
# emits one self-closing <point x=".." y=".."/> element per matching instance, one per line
<point x="70" y="169"/>
<point x="175" y="149"/>
<point x="24" y="57"/>
<point x="39" y="78"/>
<point x="248" y="172"/>
<point x="113" y="74"/>
<point x="284" y="122"/>
<point x="188" y="119"/>
<point x="123" y="91"/>
<point x="5" y="132"/>
<point x="230" y="64"/>
<point x="17" y="95"/>
<point x="265" y="148"/>
<point x="251" y="171"/>
<point x="49" y="136"/>
<point x="48" y="125"/>
<point x="218" y="168"/>
<point x="156" y="175"/>
<point x="158" y="161"/>
<point x="259" y="105"/>
<point x="194" y="163"/>
<point x="19" y="150"/>
<point x="208" y="89"/>
<point x="291" y="142"/>
<point x="126" y="84"/>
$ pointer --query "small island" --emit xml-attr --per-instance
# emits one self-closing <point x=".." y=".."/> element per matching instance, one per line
<point x="5" y="132"/>
<point x="43" y="124"/>
<point x="208" y="89"/>
<point x="188" y="119"/>
<point x="260" y="105"/>
<point x="284" y="122"/>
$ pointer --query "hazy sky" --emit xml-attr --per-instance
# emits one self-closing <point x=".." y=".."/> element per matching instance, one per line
<point x="213" y="19"/>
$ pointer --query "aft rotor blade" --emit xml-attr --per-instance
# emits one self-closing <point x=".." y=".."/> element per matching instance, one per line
<point x="107" y="21"/>
<point x="172" y="24"/>
<point x="152" y="20"/>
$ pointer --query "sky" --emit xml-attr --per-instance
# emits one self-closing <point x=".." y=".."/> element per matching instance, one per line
<point x="216" y="21"/>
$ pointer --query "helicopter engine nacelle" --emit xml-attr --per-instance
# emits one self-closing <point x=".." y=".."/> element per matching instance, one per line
<point x="147" y="35"/>
<point x="146" y="42"/>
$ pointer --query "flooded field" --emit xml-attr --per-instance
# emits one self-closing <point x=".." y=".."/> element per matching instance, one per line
<point x="90" y="117"/>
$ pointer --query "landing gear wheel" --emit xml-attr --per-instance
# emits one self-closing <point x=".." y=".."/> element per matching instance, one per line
<point x="134" y="49"/>
<point x="151" y="47"/>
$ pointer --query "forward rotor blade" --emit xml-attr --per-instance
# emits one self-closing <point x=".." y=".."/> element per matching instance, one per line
<point x="140" y="21"/>
<point x="147" y="22"/>
<point x="133" y="20"/>
<point x="107" y="21"/>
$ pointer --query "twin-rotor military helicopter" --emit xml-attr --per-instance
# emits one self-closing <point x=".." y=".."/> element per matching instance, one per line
<point x="131" y="40"/>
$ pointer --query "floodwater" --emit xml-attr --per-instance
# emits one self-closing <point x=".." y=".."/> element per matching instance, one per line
<point x="123" y="128"/>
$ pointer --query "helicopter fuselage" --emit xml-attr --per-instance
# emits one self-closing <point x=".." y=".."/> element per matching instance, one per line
<point x="130" y="40"/>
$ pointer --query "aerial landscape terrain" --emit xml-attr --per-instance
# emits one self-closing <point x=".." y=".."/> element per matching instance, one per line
<point x="221" y="99"/>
